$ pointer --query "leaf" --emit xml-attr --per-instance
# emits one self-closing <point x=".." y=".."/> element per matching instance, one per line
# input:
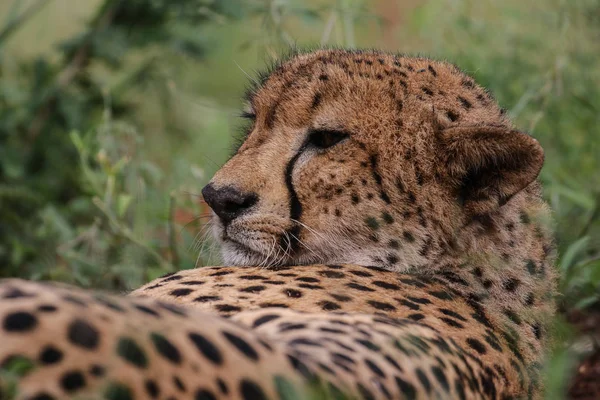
<point x="578" y="197"/>
<point x="123" y="202"/>
<point x="573" y="251"/>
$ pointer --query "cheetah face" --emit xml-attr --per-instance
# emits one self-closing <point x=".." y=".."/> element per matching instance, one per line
<point x="359" y="158"/>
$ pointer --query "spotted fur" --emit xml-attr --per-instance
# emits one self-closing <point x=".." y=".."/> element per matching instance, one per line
<point x="407" y="247"/>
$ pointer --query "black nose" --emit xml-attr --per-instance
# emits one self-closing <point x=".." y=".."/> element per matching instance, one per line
<point x="227" y="202"/>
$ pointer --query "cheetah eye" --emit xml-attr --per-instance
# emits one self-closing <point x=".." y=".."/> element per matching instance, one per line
<point x="324" y="139"/>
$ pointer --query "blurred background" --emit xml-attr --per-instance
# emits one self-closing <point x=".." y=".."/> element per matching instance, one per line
<point x="114" y="114"/>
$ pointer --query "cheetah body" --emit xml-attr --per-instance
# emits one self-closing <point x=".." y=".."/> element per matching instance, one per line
<point x="402" y="244"/>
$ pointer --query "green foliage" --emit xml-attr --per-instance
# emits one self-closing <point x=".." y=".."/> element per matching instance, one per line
<point x="47" y="197"/>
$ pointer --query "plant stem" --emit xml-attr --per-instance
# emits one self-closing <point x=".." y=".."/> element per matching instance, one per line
<point x="126" y="233"/>
<point x="12" y="26"/>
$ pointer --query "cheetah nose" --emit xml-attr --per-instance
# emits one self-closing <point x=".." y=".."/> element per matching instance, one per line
<point x="227" y="202"/>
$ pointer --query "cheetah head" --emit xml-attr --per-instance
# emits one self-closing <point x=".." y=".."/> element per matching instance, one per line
<point x="366" y="158"/>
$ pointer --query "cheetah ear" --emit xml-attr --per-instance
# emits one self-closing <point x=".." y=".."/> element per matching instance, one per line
<point x="489" y="164"/>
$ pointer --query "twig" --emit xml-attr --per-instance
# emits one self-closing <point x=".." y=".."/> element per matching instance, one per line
<point x="171" y="232"/>
<point x="12" y="26"/>
<point x="126" y="233"/>
<point x="595" y="214"/>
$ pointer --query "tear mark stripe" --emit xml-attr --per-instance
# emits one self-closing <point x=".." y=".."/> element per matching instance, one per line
<point x="295" y="205"/>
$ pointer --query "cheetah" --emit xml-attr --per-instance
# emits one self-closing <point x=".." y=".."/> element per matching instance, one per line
<point x="384" y="237"/>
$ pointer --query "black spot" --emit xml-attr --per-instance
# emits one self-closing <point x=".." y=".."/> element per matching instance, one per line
<point x="253" y="289"/>
<point x="97" y="370"/>
<point x="511" y="284"/>
<point x="433" y="72"/>
<point x="241" y="345"/>
<point x="192" y="283"/>
<point x="75" y="300"/>
<point x="117" y="391"/>
<point x="47" y="308"/>
<point x="368" y="344"/>
<point x="19" y="321"/>
<point x="531" y="267"/>
<point x="152" y="388"/>
<point x="442" y="295"/>
<point x="513" y="316"/>
<point x="340" y="297"/>
<point x="204" y="299"/>
<point x="452" y="314"/>
<point x="427" y="91"/>
<point x="165" y="348"/>
<point x="50" y="355"/>
<point x="452" y="116"/>
<point x="292" y="293"/>
<point x="16" y="293"/>
<point x="273" y="305"/>
<point x="227" y="308"/>
<point x="407" y="389"/>
<point x="39" y="396"/>
<point x="361" y="273"/>
<point x="530" y="299"/>
<point x="476" y="345"/>
<point x="309" y="286"/>
<point x="365" y="393"/>
<point x="419" y="300"/>
<point x="372" y="223"/>
<point x="207" y="348"/>
<point x="204" y="394"/>
<point x="146" y="310"/>
<point x="423" y="379"/>
<point x="355" y="198"/>
<point x="179" y="384"/>
<point x="441" y="377"/>
<point x="357" y="286"/>
<point x="375" y="368"/>
<point x="286" y="327"/>
<point x="408" y="236"/>
<point x="251" y="390"/>
<point x="180" y="292"/>
<point x="381" y="305"/>
<point x="416" y="317"/>
<point x="392" y="258"/>
<point x="300" y="367"/>
<point x="464" y="102"/>
<point x="394" y="244"/>
<point x="524" y="217"/>
<point x="129" y="350"/>
<point x="332" y="274"/>
<point x="451" y="322"/>
<point x="386" y="285"/>
<point x="316" y="101"/>
<point x="413" y="282"/>
<point x="72" y="381"/>
<point x="264" y="319"/>
<point x="537" y="331"/>
<point x="83" y="334"/>
<point x="328" y="305"/>
<point x="222" y="386"/>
